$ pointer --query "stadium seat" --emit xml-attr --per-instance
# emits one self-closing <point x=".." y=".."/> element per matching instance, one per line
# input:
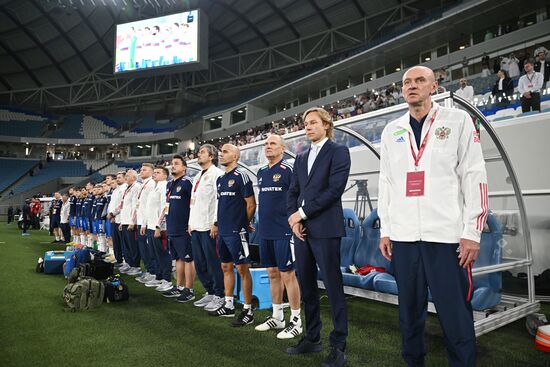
<point x="367" y="253"/>
<point x="352" y="238"/>
<point x="528" y="113"/>
<point x="487" y="288"/>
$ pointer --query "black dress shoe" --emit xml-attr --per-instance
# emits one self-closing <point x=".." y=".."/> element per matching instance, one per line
<point x="305" y="346"/>
<point x="336" y="358"/>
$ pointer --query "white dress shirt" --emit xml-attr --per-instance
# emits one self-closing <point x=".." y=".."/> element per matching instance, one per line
<point x="530" y="83"/>
<point x="129" y="201"/>
<point x="467" y="93"/>
<point x="204" y="199"/>
<point x="310" y="161"/>
<point x="146" y="188"/>
<point x="156" y="201"/>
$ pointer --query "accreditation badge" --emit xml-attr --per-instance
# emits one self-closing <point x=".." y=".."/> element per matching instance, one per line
<point x="166" y="208"/>
<point x="193" y="201"/>
<point x="415" y="184"/>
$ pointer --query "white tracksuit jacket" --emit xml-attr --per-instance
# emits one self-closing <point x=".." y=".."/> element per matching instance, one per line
<point x="455" y="200"/>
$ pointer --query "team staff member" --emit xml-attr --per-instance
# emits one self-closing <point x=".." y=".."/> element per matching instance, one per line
<point x="55" y="219"/>
<point x="114" y="218"/>
<point x="72" y="214"/>
<point x="203" y="228"/>
<point x="236" y="207"/>
<point x="176" y="215"/>
<point x="128" y="223"/>
<point x="432" y="205"/>
<point x="317" y="221"/>
<point x="64" y="218"/>
<point x="156" y="232"/>
<point x="276" y="245"/>
<point x="529" y="86"/>
<point x="146" y="251"/>
<point x="111" y="185"/>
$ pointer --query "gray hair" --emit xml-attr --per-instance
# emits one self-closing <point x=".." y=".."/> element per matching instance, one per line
<point x="212" y="151"/>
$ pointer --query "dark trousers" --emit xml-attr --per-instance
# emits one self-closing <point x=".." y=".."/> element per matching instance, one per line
<point x="207" y="262"/>
<point x="130" y="247"/>
<point x="419" y="265"/>
<point x="66" y="231"/>
<point x="326" y="253"/>
<point x="147" y="253"/>
<point x="530" y="104"/>
<point x="116" y="235"/>
<point x="26" y="225"/>
<point x="162" y="256"/>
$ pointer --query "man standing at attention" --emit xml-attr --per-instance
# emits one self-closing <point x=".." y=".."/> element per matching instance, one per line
<point x="236" y="207"/>
<point x="276" y="245"/>
<point x="316" y="218"/>
<point x="203" y="228"/>
<point x="432" y="204"/>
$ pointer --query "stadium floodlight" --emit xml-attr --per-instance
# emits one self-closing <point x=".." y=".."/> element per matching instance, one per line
<point x="140" y="147"/>
<point x="147" y="145"/>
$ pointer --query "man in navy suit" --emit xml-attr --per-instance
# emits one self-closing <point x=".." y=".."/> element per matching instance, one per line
<point x="316" y="217"/>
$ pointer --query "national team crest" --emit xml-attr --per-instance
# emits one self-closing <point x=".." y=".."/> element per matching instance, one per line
<point x="442" y="133"/>
<point x="230" y="183"/>
<point x="276" y="177"/>
<point x="178" y="189"/>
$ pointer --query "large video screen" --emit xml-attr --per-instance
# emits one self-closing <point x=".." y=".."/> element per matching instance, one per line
<point x="160" y="43"/>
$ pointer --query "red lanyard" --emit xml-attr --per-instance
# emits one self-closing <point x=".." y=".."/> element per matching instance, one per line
<point x="125" y="192"/>
<point x="199" y="180"/>
<point x="142" y="187"/>
<point x="423" y="144"/>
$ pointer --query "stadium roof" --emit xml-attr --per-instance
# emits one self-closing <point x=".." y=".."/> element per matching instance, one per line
<point x="44" y="43"/>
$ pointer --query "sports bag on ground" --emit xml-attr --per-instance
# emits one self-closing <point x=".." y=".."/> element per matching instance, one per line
<point x="84" y="294"/>
<point x="115" y="289"/>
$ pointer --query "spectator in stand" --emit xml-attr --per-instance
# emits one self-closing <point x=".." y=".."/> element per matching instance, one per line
<point x="503" y="89"/>
<point x="10" y="214"/>
<point x="496" y="64"/>
<point x="529" y="86"/>
<point x="488" y="35"/>
<point x="465" y="91"/>
<point x="513" y="66"/>
<point x="485" y="65"/>
<point x="542" y="66"/>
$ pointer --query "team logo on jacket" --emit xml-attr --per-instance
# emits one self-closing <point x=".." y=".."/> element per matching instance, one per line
<point x="442" y="133"/>
<point x="178" y="189"/>
<point x="400" y="140"/>
<point x="276" y="177"/>
<point x="230" y="183"/>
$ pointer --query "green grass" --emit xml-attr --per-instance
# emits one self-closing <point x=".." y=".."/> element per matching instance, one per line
<point x="150" y="330"/>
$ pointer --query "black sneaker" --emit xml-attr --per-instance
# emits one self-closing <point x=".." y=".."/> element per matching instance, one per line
<point x="223" y="312"/>
<point x="186" y="295"/>
<point x="305" y="346"/>
<point x="245" y="318"/>
<point x="174" y="292"/>
<point x="336" y="358"/>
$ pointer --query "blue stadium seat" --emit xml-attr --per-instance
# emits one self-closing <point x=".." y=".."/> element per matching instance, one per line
<point x="52" y="171"/>
<point x="487" y="287"/>
<point x="367" y="253"/>
<point x="16" y="168"/>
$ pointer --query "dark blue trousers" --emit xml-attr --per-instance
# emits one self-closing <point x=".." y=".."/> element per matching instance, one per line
<point x="130" y="247"/>
<point x="117" y="242"/>
<point x="163" y="258"/>
<point x="326" y="253"/>
<point x="207" y="262"/>
<point x="419" y="265"/>
<point x="147" y="252"/>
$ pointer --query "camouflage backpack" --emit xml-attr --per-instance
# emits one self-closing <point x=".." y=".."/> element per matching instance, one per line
<point x="83" y="294"/>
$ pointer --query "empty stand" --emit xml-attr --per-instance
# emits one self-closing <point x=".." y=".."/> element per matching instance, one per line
<point x="52" y="171"/>
<point x="16" y="168"/>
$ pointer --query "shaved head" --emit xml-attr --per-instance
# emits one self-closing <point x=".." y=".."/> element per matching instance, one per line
<point x="428" y="73"/>
<point x="229" y="155"/>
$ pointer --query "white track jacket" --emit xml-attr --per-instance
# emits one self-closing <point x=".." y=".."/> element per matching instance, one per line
<point x="455" y="200"/>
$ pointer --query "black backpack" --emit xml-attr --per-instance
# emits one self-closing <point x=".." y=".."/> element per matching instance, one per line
<point x="115" y="289"/>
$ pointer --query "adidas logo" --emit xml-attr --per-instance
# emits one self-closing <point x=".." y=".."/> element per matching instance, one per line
<point x="187" y="256"/>
<point x="241" y="257"/>
<point x="400" y="140"/>
<point x="289" y="263"/>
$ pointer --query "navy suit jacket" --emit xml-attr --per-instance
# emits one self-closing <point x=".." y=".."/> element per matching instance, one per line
<point x="321" y="190"/>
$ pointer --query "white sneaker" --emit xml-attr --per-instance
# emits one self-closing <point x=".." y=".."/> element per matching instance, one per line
<point x="215" y="303"/>
<point x="124" y="268"/>
<point x="293" y="329"/>
<point x="153" y="283"/>
<point x="134" y="271"/>
<point x="142" y="278"/>
<point x="205" y="300"/>
<point x="147" y="278"/>
<point x="271" y="323"/>
<point x="164" y="286"/>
